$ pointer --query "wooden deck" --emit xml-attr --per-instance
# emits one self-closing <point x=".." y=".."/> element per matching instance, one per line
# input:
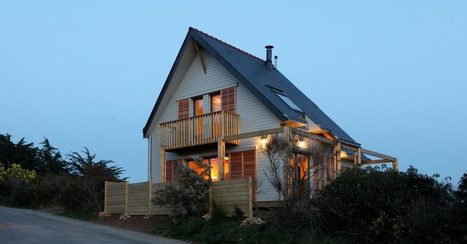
<point x="199" y="130"/>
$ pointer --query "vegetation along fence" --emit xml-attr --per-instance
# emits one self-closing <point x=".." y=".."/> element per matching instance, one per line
<point x="135" y="198"/>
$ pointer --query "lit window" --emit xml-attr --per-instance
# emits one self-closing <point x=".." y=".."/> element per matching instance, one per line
<point x="216" y="104"/>
<point x="199" y="107"/>
<point x="214" y="168"/>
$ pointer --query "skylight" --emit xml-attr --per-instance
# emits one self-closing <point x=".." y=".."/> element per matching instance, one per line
<point x="288" y="102"/>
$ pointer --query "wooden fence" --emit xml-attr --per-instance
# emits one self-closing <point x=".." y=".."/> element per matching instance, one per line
<point x="233" y="193"/>
<point x="135" y="198"/>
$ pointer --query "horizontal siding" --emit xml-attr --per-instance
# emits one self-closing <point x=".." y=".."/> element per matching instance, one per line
<point x="254" y="116"/>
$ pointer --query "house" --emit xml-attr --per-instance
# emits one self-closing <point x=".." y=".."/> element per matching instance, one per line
<point x="222" y="103"/>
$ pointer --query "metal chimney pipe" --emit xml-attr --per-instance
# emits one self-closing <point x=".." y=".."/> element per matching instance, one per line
<point x="269" y="55"/>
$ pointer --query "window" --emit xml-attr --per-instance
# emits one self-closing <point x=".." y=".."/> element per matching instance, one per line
<point x="289" y="102"/>
<point x="214" y="171"/>
<point x="302" y="166"/>
<point x="198" y="110"/>
<point x="216" y="103"/>
<point x="199" y="106"/>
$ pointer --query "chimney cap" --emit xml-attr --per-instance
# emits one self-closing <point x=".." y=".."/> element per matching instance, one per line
<point x="269" y="47"/>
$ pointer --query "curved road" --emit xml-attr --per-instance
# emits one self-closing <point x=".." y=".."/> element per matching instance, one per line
<point x="27" y="226"/>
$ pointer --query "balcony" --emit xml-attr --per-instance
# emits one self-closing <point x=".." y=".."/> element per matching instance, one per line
<point x="199" y="130"/>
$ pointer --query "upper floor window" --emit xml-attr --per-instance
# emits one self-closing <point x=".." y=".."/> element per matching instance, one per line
<point x="199" y="106"/>
<point x="216" y="102"/>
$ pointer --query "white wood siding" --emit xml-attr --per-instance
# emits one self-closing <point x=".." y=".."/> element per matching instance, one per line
<point x="254" y="116"/>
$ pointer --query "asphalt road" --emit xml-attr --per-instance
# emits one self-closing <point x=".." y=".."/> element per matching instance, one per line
<point x="28" y="226"/>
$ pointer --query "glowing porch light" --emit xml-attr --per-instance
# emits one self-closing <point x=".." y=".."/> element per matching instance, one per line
<point x="301" y="143"/>
<point x="263" y="141"/>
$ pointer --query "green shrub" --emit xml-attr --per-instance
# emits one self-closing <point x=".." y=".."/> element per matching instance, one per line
<point x="373" y="205"/>
<point x="77" y="198"/>
<point x="189" y="195"/>
<point x="217" y="211"/>
<point x="16" y="185"/>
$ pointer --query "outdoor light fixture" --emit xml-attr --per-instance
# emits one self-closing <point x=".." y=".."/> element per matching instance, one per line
<point x="301" y="142"/>
<point x="264" y="140"/>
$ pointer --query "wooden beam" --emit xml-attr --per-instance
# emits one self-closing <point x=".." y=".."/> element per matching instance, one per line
<point x="353" y="148"/>
<point x="254" y="134"/>
<point x="311" y="136"/>
<point x="292" y="123"/>
<point x="379" y="155"/>
<point x="198" y="51"/>
<point x="378" y="161"/>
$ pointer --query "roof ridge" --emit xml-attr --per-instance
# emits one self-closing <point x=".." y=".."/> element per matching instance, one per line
<point x="225" y="43"/>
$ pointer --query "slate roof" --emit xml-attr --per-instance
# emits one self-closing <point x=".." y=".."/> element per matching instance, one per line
<point x="261" y="80"/>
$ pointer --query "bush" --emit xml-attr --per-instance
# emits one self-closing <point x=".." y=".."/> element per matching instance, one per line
<point x="217" y="211"/>
<point x="77" y="198"/>
<point x="367" y="205"/>
<point x="189" y="196"/>
<point x="16" y="185"/>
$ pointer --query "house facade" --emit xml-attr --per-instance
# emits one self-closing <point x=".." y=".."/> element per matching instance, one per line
<point x="222" y="104"/>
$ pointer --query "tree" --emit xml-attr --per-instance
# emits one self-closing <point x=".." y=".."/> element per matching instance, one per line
<point x="50" y="158"/>
<point x="89" y="179"/>
<point x="22" y="153"/>
<point x="291" y="169"/>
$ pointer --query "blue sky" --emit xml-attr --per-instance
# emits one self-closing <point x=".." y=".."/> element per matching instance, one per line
<point x="393" y="74"/>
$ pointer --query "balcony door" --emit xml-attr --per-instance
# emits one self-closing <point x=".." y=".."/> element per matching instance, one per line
<point x="198" y="121"/>
<point x="216" y="106"/>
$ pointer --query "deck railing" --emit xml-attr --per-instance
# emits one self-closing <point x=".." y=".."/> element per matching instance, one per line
<point x="199" y="130"/>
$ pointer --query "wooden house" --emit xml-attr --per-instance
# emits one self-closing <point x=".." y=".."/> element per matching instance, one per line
<point x="222" y="103"/>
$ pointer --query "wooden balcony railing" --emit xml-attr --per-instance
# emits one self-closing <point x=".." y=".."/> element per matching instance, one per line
<point x="199" y="130"/>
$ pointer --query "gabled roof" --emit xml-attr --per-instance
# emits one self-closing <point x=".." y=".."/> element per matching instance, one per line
<point x="264" y="82"/>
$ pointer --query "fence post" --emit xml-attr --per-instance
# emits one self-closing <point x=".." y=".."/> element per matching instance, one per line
<point x="126" y="197"/>
<point x="150" y="196"/>
<point x="105" y="197"/>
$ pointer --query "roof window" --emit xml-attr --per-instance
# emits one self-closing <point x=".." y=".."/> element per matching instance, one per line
<point x="289" y="102"/>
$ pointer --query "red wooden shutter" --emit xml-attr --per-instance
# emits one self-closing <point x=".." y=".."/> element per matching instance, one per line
<point x="168" y="171"/>
<point x="171" y="167"/>
<point x="236" y="165"/>
<point x="183" y="108"/>
<point x="249" y="163"/>
<point x="243" y="164"/>
<point x="228" y="99"/>
<point x="249" y="168"/>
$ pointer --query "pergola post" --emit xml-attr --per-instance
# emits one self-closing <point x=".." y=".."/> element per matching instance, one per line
<point x="220" y="156"/>
<point x="395" y="165"/>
